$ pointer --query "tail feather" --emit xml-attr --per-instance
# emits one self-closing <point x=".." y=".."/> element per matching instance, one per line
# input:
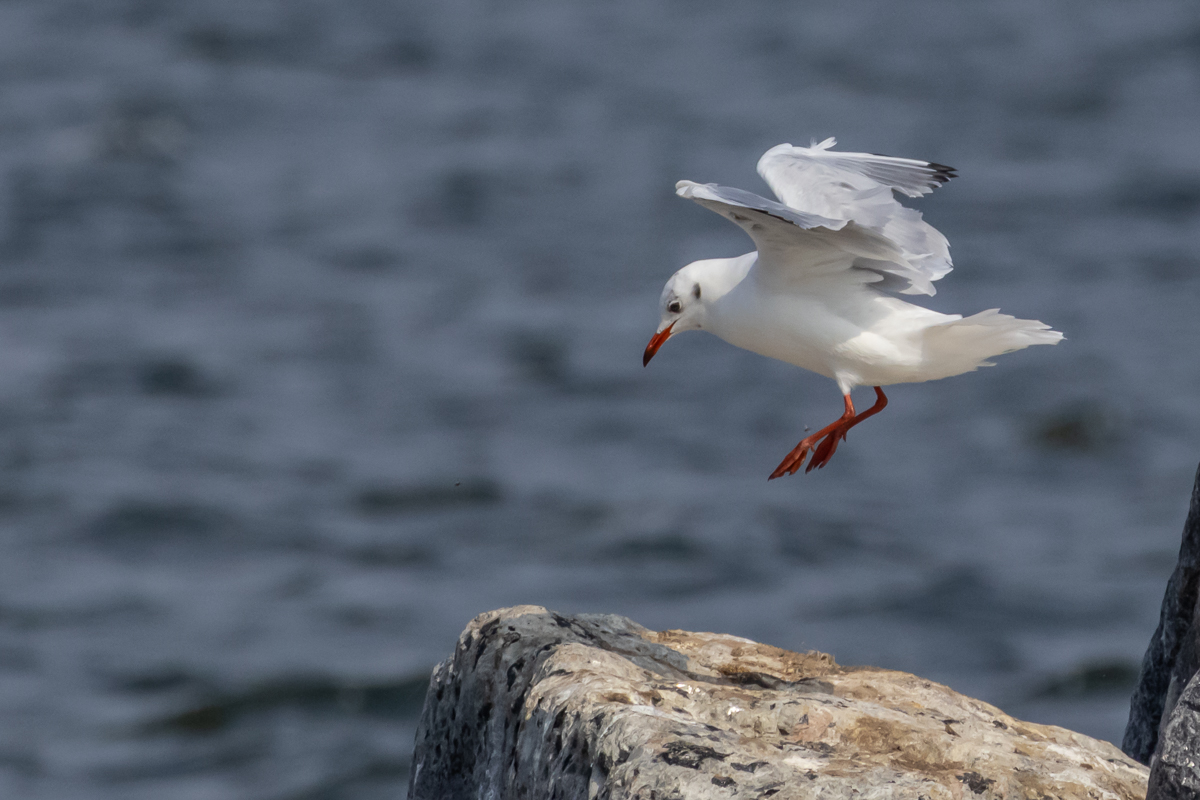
<point x="964" y="345"/>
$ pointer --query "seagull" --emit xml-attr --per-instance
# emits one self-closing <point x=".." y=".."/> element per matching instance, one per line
<point x="822" y="288"/>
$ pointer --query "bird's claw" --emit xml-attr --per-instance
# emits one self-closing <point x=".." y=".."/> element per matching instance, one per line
<point x="821" y="453"/>
<point x="787" y="467"/>
<point x="825" y="451"/>
<point x="795" y="459"/>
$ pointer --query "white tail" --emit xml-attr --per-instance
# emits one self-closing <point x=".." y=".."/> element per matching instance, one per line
<point x="964" y="345"/>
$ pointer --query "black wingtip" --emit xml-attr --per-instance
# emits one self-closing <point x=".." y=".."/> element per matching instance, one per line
<point x="942" y="173"/>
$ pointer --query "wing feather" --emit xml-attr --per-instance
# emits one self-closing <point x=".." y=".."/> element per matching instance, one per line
<point x="859" y="187"/>
<point x="795" y="245"/>
<point x="798" y="173"/>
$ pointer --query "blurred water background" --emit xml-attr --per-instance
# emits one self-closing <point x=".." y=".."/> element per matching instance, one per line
<point x="321" y="327"/>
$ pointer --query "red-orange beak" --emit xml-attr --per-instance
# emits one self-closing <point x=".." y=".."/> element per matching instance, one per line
<point x="656" y="342"/>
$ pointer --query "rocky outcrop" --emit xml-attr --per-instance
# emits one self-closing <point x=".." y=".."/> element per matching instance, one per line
<point x="1164" y="714"/>
<point x="536" y="705"/>
<point x="1175" y="769"/>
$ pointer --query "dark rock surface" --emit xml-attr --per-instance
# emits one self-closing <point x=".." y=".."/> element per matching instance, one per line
<point x="1174" y="652"/>
<point x="537" y="705"/>
<point x="1175" y="772"/>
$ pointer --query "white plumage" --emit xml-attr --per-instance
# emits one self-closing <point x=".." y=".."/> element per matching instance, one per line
<point x="819" y="289"/>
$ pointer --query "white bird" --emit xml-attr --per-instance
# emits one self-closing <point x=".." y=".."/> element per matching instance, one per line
<point x="818" y="292"/>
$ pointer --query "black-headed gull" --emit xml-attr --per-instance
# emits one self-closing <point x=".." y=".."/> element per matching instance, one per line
<point x="818" y="291"/>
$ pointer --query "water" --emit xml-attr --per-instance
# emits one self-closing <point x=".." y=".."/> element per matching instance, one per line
<point x="321" y="328"/>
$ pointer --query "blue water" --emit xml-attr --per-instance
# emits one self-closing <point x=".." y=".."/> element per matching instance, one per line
<point x="321" y="330"/>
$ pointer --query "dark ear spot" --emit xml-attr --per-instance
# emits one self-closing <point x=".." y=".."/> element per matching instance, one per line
<point x="696" y="291"/>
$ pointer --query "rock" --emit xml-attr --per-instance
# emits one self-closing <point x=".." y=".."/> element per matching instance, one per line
<point x="536" y="705"/>
<point x="1175" y="771"/>
<point x="1163" y="712"/>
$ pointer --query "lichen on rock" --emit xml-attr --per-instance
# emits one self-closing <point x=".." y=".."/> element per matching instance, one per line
<point x="534" y="704"/>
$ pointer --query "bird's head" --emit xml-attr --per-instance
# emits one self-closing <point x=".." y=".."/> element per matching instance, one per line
<point x="683" y="306"/>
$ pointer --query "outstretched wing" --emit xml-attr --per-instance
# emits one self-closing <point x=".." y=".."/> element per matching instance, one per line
<point x="824" y="181"/>
<point x="859" y="187"/>
<point x="794" y="245"/>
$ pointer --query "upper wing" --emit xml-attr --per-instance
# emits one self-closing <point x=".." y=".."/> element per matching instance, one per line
<point x="793" y="244"/>
<point x="858" y="187"/>
<point x="827" y="182"/>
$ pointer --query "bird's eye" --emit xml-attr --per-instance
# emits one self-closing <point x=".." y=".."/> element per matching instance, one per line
<point x="674" y="307"/>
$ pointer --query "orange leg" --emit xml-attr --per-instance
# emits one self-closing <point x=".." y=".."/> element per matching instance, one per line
<point x="795" y="459"/>
<point x="828" y="438"/>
